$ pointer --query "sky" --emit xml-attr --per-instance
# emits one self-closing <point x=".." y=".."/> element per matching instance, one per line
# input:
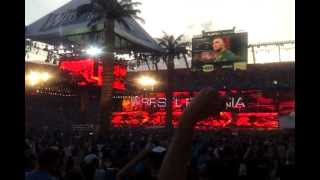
<point x="264" y="20"/>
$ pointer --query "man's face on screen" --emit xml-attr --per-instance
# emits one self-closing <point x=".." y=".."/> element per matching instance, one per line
<point x="218" y="44"/>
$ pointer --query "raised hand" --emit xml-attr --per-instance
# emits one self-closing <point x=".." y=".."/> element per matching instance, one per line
<point x="174" y="167"/>
<point x="207" y="102"/>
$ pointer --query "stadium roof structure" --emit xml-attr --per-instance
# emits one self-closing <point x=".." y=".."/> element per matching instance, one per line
<point x="273" y="43"/>
<point x="62" y="24"/>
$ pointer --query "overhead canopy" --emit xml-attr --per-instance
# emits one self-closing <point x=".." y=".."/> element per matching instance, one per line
<point x="63" y="23"/>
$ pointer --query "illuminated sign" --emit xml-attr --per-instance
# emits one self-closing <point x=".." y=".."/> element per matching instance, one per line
<point x="236" y="103"/>
<point x="160" y="102"/>
<point x="255" y="108"/>
<point x="232" y="103"/>
<point x="207" y="68"/>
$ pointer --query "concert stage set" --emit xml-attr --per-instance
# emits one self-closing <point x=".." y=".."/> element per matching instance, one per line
<point x="259" y="96"/>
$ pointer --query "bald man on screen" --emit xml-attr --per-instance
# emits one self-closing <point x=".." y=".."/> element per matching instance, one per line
<point x="219" y="54"/>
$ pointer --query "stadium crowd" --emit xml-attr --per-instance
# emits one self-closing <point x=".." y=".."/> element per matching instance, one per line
<point x="215" y="155"/>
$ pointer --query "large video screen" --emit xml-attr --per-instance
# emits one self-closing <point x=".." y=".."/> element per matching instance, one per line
<point x="88" y="71"/>
<point x="253" y="109"/>
<point x="214" y="51"/>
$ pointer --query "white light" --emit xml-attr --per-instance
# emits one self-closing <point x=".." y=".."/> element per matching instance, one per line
<point x="61" y="46"/>
<point x="94" y="51"/>
<point x="34" y="78"/>
<point x="45" y="76"/>
<point x="146" y="81"/>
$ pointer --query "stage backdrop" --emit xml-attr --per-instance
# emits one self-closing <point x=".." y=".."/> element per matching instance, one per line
<point x="251" y="109"/>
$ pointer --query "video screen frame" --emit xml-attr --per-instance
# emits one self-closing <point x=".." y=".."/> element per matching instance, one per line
<point x="220" y="50"/>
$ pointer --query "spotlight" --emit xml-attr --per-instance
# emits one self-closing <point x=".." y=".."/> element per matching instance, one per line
<point x="34" y="78"/>
<point x="45" y="76"/>
<point x="146" y="81"/>
<point x="94" y="51"/>
<point x="275" y="82"/>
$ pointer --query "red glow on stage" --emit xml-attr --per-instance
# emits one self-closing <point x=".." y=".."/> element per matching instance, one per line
<point x="253" y="109"/>
<point x="181" y="94"/>
<point x="90" y="72"/>
<point x="85" y="69"/>
<point x="118" y="85"/>
<point x="245" y="120"/>
<point x="286" y="107"/>
<point x="120" y="71"/>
